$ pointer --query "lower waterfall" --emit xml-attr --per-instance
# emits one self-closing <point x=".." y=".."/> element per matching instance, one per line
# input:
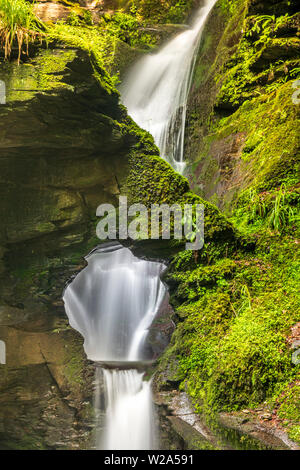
<point x="129" y="414"/>
<point x="112" y="303"/>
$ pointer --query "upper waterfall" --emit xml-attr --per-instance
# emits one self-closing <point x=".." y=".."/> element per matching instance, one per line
<point x="156" y="89"/>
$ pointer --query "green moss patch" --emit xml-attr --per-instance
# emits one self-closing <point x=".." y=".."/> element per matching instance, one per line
<point x="289" y="410"/>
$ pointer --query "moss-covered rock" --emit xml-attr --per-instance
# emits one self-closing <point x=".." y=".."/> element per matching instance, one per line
<point x="230" y="347"/>
<point x="234" y="308"/>
<point x="244" y="74"/>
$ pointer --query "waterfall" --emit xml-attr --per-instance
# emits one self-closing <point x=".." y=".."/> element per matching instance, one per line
<point x="156" y="89"/>
<point x="129" y="413"/>
<point x="112" y="303"/>
<point x="114" y="300"/>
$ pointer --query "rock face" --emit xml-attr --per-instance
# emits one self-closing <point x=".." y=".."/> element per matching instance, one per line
<point x="61" y="136"/>
<point x="239" y="430"/>
<point x="66" y="146"/>
<point x="64" y="149"/>
<point x="242" y="146"/>
<point x="49" y="11"/>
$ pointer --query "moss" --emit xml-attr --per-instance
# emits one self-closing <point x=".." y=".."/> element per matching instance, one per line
<point x="249" y="72"/>
<point x="234" y="316"/>
<point x="170" y="11"/>
<point x="142" y="141"/>
<point x="101" y="48"/>
<point x="272" y="141"/>
<point x="268" y="152"/>
<point x="193" y="284"/>
<point x="100" y="41"/>
<point x="128" y="27"/>
<point x="289" y="410"/>
<point x="43" y="73"/>
<point x="152" y="180"/>
<point x="74" y="364"/>
<point x="262" y="61"/>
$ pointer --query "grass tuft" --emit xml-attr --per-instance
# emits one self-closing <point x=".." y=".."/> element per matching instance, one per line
<point x="18" y="25"/>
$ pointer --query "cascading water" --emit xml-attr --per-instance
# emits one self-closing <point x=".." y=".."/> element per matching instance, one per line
<point x="112" y="303"/>
<point x="129" y="412"/>
<point x="156" y="90"/>
<point x="114" y="300"/>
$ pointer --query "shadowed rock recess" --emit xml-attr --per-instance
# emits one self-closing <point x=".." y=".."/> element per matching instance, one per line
<point x="226" y="379"/>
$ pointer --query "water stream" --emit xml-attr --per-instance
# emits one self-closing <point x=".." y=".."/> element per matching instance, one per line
<point x="156" y="89"/>
<point x="130" y="415"/>
<point x="114" y="300"/>
<point x="112" y="303"/>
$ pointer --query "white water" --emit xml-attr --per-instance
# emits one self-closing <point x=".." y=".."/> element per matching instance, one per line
<point x="156" y="90"/>
<point x="129" y="412"/>
<point x="112" y="303"/>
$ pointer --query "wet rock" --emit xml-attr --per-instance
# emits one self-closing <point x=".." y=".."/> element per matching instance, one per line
<point x="278" y="49"/>
<point x="266" y="416"/>
<point x="12" y="316"/>
<point x="161" y="330"/>
<point x="260" y="432"/>
<point x="50" y="11"/>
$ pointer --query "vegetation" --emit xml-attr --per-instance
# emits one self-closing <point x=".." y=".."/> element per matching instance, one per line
<point x="159" y="11"/>
<point x="230" y="349"/>
<point x="273" y="211"/>
<point x="262" y="47"/>
<point x="236" y="304"/>
<point x="127" y="27"/>
<point x="18" y="24"/>
<point x="236" y="300"/>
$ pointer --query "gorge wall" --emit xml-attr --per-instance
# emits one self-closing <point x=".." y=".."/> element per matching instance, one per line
<point x="65" y="148"/>
<point x="67" y="145"/>
<point x="242" y="127"/>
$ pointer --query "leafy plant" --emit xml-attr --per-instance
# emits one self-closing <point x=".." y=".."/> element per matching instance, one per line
<point x="281" y="214"/>
<point x="80" y="18"/>
<point x="295" y="71"/>
<point x="265" y="26"/>
<point x="177" y="12"/>
<point x="260" y="24"/>
<point x="258" y="206"/>
<point x="246" y="297"/>
<point x="18" y="24"/>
